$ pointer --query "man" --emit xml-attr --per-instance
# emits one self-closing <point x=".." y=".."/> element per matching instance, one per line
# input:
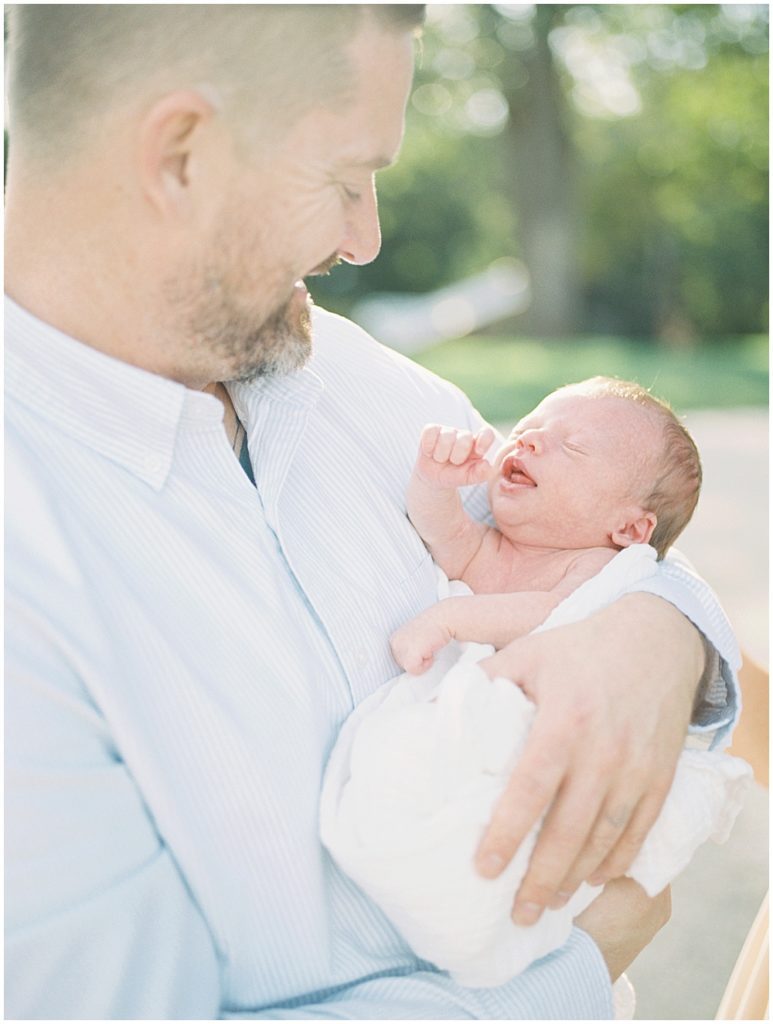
<point x="190" y="617"/>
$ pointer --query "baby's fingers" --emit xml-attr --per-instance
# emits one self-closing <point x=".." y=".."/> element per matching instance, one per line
<point x="444" y="444"/>
<point x="429" y="438"/>
<point x="483" y="441"/>
<point x="463" y="447"/>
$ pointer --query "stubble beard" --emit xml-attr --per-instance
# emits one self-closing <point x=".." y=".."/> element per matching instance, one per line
<point x="225" y="336"/>
<point x="244" y="347"/>
<point x="277" y="346"/>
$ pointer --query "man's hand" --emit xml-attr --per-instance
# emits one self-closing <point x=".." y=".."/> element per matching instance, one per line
<point x="453" y="458"/>
<point x="623" y="920"/>
<point x="415" y="644"/>
<point x="614" y="695"/>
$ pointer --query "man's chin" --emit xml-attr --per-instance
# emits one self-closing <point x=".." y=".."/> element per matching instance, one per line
<point x="282" y="347"/>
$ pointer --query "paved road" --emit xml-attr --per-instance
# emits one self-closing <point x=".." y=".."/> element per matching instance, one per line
<point x="727" y="539"/>
<point x="682" y="975"/>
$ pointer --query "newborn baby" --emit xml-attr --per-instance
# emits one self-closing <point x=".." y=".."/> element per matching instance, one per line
<point x="584" y="482"/>
<point x="596" y="467"/>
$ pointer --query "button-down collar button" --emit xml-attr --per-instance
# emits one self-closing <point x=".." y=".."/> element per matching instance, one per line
<point x="153" y="464"/>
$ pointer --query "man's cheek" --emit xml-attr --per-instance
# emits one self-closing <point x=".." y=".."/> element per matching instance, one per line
<point x="319" y="227"/>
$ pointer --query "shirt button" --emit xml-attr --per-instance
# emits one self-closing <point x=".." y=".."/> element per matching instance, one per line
<point x="153" y="464"/>
<point x="361" y="658"/>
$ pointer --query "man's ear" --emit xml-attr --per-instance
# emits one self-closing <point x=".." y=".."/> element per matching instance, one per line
<point x="636" y="530"/>
<point x="168" y="136"/>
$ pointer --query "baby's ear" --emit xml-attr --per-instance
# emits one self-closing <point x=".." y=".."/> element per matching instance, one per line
<point x="636" y="530"/>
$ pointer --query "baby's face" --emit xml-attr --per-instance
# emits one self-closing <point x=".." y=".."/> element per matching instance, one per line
<point x="573" y="469"/>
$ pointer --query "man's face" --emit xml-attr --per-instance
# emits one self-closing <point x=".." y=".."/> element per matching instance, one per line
<point x="573" y="469"/>
<point x="287" y="212"/>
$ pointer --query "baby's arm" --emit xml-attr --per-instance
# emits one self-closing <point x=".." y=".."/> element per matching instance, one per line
<point x="447" y="460"/>
<point x="487" y="618"/>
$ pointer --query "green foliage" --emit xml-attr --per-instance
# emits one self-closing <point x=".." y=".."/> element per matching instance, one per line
<point x="685" y="237"/>
<point x="666" y="149"/>
<point x="437" y="226"/>
<point x="505" y="377"/>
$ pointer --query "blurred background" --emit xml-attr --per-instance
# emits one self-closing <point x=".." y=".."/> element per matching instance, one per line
<point x="584" y="189"/>
<point x="609" y="161"/>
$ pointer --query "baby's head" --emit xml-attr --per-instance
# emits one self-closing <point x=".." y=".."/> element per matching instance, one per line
<point x="597" y="463"/>
<point x="673" y="476"/>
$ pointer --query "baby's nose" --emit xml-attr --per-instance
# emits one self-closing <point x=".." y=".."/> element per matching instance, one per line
<point x="530" y="440"/>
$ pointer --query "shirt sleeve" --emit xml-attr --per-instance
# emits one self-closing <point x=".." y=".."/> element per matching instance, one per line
<point x="99" y="922"/>
<point x="718" y="701"/>
<point x="570" y="984"/>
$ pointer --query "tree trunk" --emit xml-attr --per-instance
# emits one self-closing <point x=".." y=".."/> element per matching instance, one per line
<point x="543" y="179"/>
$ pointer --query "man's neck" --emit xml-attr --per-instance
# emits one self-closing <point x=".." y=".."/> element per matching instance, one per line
<point x="71" y="264"/>
<point x="230" y="419"/>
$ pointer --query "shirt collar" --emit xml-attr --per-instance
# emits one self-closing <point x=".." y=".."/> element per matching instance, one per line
<point x="122" y="412"/>
<point x="296" y="392"/>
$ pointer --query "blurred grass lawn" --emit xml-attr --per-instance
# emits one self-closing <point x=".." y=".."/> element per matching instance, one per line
<point x="506" y="377"/>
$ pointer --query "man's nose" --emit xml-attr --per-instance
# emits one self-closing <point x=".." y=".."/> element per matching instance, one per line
<point x="362" y="239"/>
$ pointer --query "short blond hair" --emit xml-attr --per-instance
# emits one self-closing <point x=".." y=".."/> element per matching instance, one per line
<point x="71" y="64"/>
<point x="673" y="495"/>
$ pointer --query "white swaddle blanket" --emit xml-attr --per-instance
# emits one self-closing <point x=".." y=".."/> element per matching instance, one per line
<point x="413" y="779"/>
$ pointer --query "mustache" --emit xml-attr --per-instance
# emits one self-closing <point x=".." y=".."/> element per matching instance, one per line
<point x="325" y="267"/>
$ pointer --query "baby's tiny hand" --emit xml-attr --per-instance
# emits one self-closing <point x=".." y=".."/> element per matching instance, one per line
<point x="415" y="644"/>
<point x="453" y="458"/>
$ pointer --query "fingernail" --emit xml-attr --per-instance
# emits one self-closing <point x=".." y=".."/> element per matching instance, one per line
<point x="597" y="879"/>
<point x="490" y="865"/>
<point x="559" y="900"/>
<point x="527" y="913"/>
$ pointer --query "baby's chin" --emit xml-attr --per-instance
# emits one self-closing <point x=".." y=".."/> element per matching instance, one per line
<point x="535" y="533"/>
<point x="524" y="532"/>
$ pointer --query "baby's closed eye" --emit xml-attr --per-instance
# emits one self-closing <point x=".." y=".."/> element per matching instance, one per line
<point x="570" y="446"/>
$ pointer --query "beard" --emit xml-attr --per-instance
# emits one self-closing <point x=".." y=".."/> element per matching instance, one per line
<point x="242" y="344"/>
<point x="228" y="337"/>
<point x="277" y="346"/>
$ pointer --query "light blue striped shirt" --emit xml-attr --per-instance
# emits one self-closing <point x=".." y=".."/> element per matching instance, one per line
<point x="181" y="649"/>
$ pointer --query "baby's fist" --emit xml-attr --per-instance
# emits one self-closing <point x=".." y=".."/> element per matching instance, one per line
<point x="449" y="457"/>
<point x="415" y="644"/>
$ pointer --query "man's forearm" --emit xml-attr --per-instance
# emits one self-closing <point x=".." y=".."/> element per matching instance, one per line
<point x="657" y="622"/>
<point x="716" y="703"/>
<point x="623" y="920"/>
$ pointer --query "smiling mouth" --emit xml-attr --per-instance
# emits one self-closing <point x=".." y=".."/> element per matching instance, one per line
<point x="324" y="268"/>
<point x="513" y="472"/>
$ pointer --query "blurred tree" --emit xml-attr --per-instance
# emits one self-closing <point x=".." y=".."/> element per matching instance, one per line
<point x="675" y="193"/>
<point x="619" y="150"/>
<point x="539" y="148"/>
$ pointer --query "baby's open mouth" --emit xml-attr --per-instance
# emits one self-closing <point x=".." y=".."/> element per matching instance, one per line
<point x="514" y="472"/>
